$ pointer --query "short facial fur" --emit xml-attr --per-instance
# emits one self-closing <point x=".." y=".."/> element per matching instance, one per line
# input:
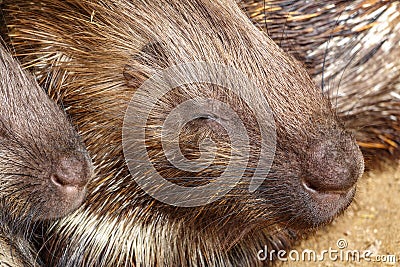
<point x="99" y="52"/>
<point x="44" y="167"/>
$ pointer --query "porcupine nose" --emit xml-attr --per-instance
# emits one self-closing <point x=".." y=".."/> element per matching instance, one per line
<point x="72" y="173"/>
<point x="333" y="166"/>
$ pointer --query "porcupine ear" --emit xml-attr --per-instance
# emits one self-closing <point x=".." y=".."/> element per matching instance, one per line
<point x="153" y="56"/>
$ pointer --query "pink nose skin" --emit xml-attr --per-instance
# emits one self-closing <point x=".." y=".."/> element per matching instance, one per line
<point x="71" y="173"/>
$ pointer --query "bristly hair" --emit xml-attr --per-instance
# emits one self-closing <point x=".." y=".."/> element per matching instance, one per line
<point x="93" y="56"/>
<point x="35" y="136"/>
<point x="15" y="249"/>
<point x="352" y="49"/>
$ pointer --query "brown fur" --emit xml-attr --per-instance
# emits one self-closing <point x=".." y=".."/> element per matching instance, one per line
<point x="15" y="250"/>
<point x="355" y="44"/>
<point x="93" y="55"/>
<point x="37" y="143"/>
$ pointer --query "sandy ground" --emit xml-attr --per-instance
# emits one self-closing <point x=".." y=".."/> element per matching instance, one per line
<point x="372" y="223"/>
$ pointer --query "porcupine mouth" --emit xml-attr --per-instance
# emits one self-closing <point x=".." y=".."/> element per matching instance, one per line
<point x="59" y="203"/>
<point x="323" y="206"/>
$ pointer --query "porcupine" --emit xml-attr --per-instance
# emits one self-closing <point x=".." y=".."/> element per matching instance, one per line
<point x="44" y="166"/>
<point x="354" y="47"/>
<point x="94" y="55"/>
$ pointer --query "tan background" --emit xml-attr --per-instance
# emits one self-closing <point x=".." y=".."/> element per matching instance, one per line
<point x="372" y="222"/>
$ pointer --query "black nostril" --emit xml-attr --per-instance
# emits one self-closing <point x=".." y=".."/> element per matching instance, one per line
<point x="316" y="185"/>
<point x="309" y="186"/>
<point x="57" y="180"/>
<point x="71" y="171"/>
